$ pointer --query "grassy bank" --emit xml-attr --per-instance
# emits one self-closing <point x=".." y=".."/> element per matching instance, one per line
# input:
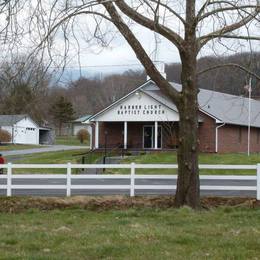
<point x="69" y="140"/>
<point x="171" y="158"/>
<point x="222" y="233"/>
<point x="73" y="156"/>
<point x="11" y="147"/>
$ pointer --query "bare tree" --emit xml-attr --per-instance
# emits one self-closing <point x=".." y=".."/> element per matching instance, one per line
<point x="224" y="79"/>
<point x="188" y="25"/>
<point x="24" y="87"/>
<point x="92" y="95"/>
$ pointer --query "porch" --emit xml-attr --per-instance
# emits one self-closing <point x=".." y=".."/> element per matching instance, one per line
<point x="135" y="135"/>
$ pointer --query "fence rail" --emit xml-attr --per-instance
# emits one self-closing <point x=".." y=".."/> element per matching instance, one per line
<point x="132" y="177"/>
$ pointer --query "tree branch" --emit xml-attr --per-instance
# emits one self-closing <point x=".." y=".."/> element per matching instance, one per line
<point x="141" y="54"/>
<point x="241" y="37"/>
<point x="229" y="28"/>
<point x="150" y="24"/>
<point x="171" y="11"/>
<point x="224" y="9"/>
<point x="229" y="65"/>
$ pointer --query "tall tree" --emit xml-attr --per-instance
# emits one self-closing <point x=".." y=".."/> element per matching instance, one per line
<point x="62" y="112"/>
<point x="91" y="95"/>
<point x="200" y="22"/>
<point x="24" y="87"/>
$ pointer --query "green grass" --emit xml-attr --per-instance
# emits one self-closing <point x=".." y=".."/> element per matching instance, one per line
<point x="69" y="140"/>
<point x="10" y="147"/>
<point x="223" y="233"/>
<point x="152" y="158"/>
<point x="171" y="158"/>
<point x="73" y="156"/>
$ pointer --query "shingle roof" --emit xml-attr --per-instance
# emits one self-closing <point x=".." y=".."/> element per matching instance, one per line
<point x="226" y="108"/>
<point x="10" y="120"/>
<point x="82" y="119"/>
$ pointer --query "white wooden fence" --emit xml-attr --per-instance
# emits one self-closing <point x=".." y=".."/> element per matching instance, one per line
<point x="132" y="177"/>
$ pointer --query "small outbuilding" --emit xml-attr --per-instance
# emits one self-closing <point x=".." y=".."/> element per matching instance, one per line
<point x="24" y="130"/>
<point x="78" y="124"/>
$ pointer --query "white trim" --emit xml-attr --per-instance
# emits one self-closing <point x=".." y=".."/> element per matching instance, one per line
<point x="258" y="182"/>
<point x="159" y="101"/>
<point x="216" y="136"/>
<point x="91" y="137"/>
<point x="125" y="135"/>
<point x="97" y="135"/>
<point x="119" y="100"/>
<point x="156" y="135"/>
<point x="206" y="113"/>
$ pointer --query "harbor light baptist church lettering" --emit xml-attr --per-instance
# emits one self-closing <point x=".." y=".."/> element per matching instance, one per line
<point x="140" y="110"/>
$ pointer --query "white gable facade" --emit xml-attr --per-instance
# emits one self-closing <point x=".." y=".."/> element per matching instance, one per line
<point x="138" y="107"/>
<point x="134" y="120"/>
<point x="24" y="131"/>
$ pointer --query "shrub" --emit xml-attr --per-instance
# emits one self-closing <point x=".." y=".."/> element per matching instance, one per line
<point x="5" y="137"/>
<point x="82" y="135"/>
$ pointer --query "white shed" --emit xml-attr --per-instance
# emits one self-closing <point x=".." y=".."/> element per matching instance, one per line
<point x="22" y="128"/>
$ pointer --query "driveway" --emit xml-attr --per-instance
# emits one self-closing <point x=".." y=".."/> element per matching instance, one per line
<point x="44" y="149"/>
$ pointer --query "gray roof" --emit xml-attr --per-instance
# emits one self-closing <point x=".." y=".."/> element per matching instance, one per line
<point x="229" y="109"/>
<point x="10" y="120"/>
<point x="226" y="108"/>
<point x="82" y="119"/>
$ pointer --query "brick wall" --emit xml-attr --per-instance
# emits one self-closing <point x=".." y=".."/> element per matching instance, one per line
<point x="231" y="138"/>
<point x="114" y="132"/>
<point x="234" y="139"/>
<point x="206" y="133"/>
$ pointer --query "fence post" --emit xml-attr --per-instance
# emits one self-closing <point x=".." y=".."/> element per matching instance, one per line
<point x="132" y="180"/>
<point x="258" y="182"/>
<point x="9" y="180"/>
<point x="68" y="193"/>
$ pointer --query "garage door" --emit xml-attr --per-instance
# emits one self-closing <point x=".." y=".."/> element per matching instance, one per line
<point x="31" y="135"/>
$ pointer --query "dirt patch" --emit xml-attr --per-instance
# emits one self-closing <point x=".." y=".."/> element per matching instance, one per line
<point x="19" y="204"/>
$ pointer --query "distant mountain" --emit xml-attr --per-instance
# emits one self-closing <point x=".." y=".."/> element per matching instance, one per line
<point x="227" y="79"/>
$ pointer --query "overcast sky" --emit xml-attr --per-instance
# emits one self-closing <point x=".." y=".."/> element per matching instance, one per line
<point x="118" y="56"/>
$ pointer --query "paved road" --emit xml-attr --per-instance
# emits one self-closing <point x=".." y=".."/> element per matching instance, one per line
<point x="49" y="192"/>
<point x="52" y="148"/>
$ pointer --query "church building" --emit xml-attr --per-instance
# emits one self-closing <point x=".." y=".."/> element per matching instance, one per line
<point x="145" y="119"/>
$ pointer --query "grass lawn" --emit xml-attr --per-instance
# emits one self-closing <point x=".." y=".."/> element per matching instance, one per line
<point x="222" y="233"/>
<point x="171" y="158"/>
<point x="73" y="156"/>
<point x="10" y="147"/>
<point x="69" y="140"/>
<point x="152" y="158"/>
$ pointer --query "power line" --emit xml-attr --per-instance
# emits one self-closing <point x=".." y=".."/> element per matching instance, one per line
<point x="95" y="66"/>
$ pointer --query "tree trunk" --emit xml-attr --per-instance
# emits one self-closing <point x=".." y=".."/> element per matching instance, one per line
<point x="188" y="192"/>
<point x="188" y="187"/>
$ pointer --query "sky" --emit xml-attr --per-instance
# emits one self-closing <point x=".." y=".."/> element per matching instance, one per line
<point x="87" y="58"/>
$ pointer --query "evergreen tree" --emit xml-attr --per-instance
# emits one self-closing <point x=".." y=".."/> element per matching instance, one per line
<point x="62" y="112"/>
